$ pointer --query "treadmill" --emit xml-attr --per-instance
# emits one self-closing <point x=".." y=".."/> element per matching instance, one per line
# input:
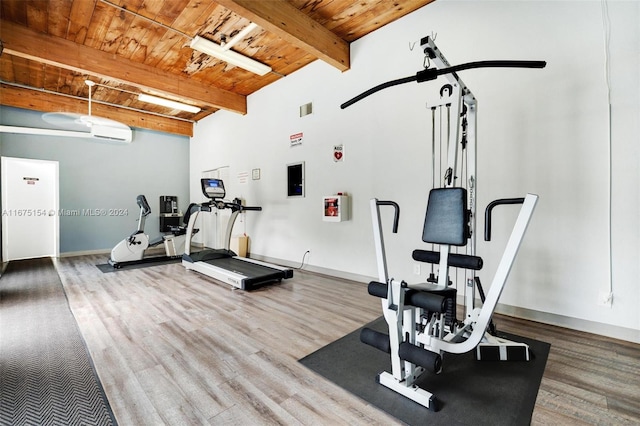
<point x="223" y="264"/>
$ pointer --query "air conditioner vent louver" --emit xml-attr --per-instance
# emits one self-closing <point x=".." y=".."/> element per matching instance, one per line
<point x="114" y="134"/>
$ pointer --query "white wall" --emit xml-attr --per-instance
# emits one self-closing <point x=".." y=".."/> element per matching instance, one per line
<point x="541" y="131"/>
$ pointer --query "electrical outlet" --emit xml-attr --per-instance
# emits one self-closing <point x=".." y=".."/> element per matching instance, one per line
<point x="416" y="268"/>
<point x="605" y="298"/>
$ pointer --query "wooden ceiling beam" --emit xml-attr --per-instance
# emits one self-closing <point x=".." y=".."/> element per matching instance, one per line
<point x="23" y="42"/>
<point x="43" y="101"/>
<point x="284" y="20"/>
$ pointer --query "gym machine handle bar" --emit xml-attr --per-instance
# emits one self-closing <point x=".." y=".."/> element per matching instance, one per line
<point x="243" y="208"/>
<point x="220" y="204"/>
<point x="396" y="214"/>
<point x="487" y="213"/>
<point x="433" y="73"/>
<point x="235" y="206"/>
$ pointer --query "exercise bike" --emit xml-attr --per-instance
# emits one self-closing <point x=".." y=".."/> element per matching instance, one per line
<point x="132" y="249"/>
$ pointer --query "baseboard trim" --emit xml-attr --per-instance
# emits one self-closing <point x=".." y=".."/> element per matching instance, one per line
<point x="317" y="269"/>
<point x="151" y="251"/>
<point x="613" y="331"/>
<point x="85" y="252"/>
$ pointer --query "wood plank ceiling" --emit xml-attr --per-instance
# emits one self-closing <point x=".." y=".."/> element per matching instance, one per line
<point x="50" y="47"/>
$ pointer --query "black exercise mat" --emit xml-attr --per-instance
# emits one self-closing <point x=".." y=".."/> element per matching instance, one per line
<point x="46" y="374"/>
<point x="470" y="392"/>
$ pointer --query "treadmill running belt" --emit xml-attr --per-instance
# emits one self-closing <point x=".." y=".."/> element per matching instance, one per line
<point x="255" y="274"/>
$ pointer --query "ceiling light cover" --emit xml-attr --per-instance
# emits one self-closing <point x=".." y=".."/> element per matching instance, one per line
<point x="168" y="103"/>
<point x="210" y="48"/>
<point x="239" y="37"/>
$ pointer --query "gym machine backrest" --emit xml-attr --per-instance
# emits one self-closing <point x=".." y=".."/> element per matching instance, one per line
<point x="447" y="223"/>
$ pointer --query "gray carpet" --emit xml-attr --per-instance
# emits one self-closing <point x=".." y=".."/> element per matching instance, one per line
<point x="46" y="374"/>
<point x="470" y="392"/>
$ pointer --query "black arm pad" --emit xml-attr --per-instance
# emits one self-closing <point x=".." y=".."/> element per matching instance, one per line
<point x="425" y="300"/>
<point x="375" y="339"/>
<point x="377" y="289"/>
<point x="422" y="357"/>
<point x="456" y="260"/>
<point x="421" y="299"/>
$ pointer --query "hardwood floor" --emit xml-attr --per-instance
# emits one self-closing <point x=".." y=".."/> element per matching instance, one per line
<point x="174" y="347"/>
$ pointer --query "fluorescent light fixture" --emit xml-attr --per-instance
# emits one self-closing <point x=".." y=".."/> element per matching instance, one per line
<point x="210" y="48"/>
<point x="142" y="97"/>
<point x="238" y="37"/>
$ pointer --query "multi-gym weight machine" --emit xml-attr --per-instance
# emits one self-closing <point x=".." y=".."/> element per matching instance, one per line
<point x="422" y="318"/>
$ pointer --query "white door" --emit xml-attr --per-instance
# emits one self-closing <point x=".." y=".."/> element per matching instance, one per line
<point x="30" y="202"/>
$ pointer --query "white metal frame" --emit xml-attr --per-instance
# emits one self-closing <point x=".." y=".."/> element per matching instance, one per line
<point x="404" y="321"/>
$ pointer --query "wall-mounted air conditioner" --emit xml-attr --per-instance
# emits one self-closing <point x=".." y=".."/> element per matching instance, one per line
<point x="106" y="133"/>
<point x="114" y="134"/>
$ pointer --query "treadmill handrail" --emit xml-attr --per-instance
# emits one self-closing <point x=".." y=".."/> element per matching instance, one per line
<point x="230" y="224"/>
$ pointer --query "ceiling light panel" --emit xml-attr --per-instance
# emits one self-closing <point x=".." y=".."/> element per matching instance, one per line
<point x="167" y="103"/>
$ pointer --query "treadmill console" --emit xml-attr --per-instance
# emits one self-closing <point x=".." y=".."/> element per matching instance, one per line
<point x="213" y="189"/>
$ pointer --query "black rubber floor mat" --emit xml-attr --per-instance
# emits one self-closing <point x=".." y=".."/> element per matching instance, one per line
<point x="470" y="392"/>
